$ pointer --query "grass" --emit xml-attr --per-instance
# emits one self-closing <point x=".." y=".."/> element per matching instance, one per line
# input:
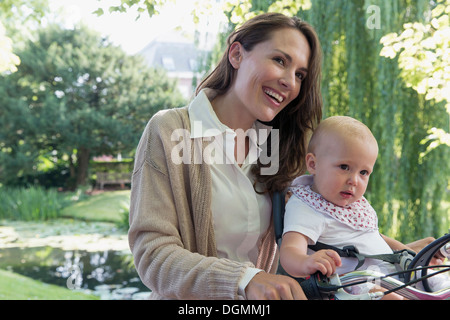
<point x="39" y="204"/>
<point x="35" y="290"/>
<point x="107" y="206"/>
<point x="30" y="204"/>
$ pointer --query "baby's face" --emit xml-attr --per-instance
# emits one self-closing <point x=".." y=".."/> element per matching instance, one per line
<point x="341" y="167"/>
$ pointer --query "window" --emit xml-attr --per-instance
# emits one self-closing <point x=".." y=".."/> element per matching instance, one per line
<point x="168" y="63"/>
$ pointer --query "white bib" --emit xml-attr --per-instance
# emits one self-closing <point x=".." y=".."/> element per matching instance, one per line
<point x="358" y="215"/>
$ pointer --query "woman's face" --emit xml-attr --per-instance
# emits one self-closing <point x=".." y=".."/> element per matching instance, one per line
<point x="269" y="76"/>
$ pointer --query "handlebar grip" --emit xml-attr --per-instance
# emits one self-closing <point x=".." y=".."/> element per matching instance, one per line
<point x="310" y="288"/>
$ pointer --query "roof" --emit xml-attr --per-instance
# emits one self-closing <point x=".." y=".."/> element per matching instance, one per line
<point x="173" y="53"/>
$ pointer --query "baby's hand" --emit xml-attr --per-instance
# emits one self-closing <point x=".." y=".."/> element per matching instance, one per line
<point x="324" y="261"/>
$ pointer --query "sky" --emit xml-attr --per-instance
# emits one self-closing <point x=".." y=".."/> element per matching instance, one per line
<point x="123" y="29"/>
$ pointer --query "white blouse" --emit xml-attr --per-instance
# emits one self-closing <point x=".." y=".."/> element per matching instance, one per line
<point x="240" y="214"/>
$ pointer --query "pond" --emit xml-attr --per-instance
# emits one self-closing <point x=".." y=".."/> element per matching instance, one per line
<point x="109" y="274"/>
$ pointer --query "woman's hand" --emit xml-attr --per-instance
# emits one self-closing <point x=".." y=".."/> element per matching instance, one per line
<point x="418" y="245"/>
<point x="266" y="286"/>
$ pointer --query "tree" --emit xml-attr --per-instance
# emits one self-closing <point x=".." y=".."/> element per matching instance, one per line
<point x="8" y="60"/>
<point x="75" y="96"/>
<point x="424" y="59"/>
<point x="151" y="7"/>
<point x="15" y="15"/>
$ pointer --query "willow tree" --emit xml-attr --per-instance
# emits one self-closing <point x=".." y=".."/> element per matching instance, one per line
<point x="407" y="190"/>
<point x="423" y="53"/>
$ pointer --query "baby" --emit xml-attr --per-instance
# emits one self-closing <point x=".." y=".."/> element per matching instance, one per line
<point x="328" y="206"/>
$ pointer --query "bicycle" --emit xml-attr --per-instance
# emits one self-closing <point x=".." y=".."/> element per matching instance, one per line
<point x="319" y="287"/>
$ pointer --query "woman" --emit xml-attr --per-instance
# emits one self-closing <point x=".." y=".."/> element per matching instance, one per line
<point x="200" y="214"/>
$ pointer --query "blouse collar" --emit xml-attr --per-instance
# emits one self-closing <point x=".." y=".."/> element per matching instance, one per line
<point x="205" y="123"/>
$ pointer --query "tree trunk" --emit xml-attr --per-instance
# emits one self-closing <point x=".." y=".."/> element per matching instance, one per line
<point x="70" y="184"/>
<point x="83" y="155"/>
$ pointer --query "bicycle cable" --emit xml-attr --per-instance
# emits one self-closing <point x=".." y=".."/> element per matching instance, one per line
<point x="419" y="279"/>
<point x="445" y="269"/>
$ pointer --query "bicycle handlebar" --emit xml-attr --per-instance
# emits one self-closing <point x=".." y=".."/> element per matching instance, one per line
<point x="424" y="257"/>
<point x="319" y="287"/>
<point x="315" y="286"/>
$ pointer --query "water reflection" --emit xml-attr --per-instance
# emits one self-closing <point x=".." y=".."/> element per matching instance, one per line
<point x="109" y="274"/>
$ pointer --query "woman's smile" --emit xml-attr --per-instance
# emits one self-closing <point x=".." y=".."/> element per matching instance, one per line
<point x="278" y="98"/>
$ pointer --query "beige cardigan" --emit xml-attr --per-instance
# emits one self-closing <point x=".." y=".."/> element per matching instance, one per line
<point x="171" y="231"/>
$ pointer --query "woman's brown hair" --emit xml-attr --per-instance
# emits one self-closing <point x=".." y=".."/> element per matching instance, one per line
<point x="296" y="121"/>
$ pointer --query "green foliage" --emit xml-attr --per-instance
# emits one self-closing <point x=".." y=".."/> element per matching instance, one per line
<point x="107" y="206"/>
<point x="150" y="7"/>
<point x="8" y="60"/>
<point x="124" y="166"/>
<point x="17" y="287"/>
<point x="424" y="59"/>
<point x="423" y="53"/>
<point x="21" y="16"/>
<point x="76" y="96"/>
<point x="30" y="204"/>
<point x="240" y="11"/>
<point x="39" y="204"/>
<point x="23" y="10"/>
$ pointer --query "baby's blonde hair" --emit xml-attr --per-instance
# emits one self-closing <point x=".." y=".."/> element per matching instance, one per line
<point x="343" y="126"/>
